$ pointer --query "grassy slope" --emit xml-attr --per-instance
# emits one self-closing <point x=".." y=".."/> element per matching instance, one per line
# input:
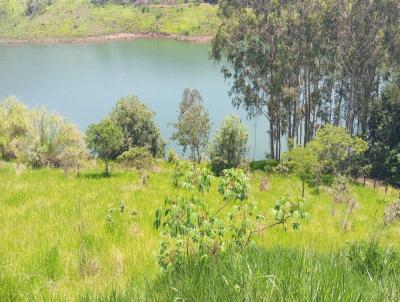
<point x="49" y="224"/>
<point x="80" y="18"/>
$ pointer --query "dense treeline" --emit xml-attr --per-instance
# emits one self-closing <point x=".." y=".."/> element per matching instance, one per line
<point x="304" y="64"/>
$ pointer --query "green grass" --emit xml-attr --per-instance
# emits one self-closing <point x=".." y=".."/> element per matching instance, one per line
<point x="80" y="18"/>
<point x="55" y="243"/>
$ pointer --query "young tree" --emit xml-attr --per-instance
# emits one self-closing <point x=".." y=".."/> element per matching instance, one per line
<point x="230" y="145"/>
<point x="192" y="129"/>
<point x="138" y="126"/>
<point x="104" y="139"/>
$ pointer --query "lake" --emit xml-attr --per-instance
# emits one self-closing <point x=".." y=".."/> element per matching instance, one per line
<point x="82" y="82"/>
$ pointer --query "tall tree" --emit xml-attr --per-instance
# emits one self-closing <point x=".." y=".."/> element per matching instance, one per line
<point x="192" y="129"/>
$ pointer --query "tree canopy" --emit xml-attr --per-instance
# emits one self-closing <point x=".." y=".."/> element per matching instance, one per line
<point x="192" y="129"/>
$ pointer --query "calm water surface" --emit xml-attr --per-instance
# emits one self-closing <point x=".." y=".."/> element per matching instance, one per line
<point x="82" y="82"/>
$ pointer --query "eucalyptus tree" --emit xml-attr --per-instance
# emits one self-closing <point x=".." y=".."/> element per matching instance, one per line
<point x="251" y="40"/>
<point x="192" y="129"/>
<point x="304" y="64"/>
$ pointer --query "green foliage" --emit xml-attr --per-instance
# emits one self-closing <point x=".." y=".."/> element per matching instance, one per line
<point x="384" y="125"/>
<point x="192" y="228"/>
<point x="104" y="140"/>
<point x="230" y="145"/>
<point x="14" y="128"/>
<point x="138" y="158"/>
<point x="192" y="129"/>
<point x="188" y="230"/>
<point x="58" y="20"/>
<point x="287" y="208"/>
<point x="234" y="185"/>
<point x="199" y="178"/>
<point x="38" y="138"/>
<point x="266" y="165"/>
<point x="172" y="158"/>
<point x="179" y="171"/>
<point x="332" y="152"/>
<point x="138" y="126"/>
<point x="54" y="142"/>
<point x="373" y="261"/>
<point x="119" y="220"/>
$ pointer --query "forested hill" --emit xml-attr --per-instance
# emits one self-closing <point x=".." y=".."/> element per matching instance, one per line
<point x="69" y="19"/>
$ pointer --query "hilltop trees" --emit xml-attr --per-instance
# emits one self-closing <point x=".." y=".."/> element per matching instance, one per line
<point x="192" y="128"/>
<point x="230" y="145"/>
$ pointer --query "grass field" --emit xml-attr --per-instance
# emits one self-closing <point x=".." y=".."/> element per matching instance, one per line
<point x="70" y="19"/>
<point x="56" y="243"/>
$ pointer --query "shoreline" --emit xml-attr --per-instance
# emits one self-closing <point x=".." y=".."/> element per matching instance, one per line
<point x="91" y="39"/>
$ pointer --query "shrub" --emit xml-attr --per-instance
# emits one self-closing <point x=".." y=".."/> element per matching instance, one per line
<point x="230" y="145"/>
<point x="54" y="142"/>
<point x="15" y="126"/>
<point x="138" y="158"/>
<point x="266" y="165"/>
<point x="38" y="138"/>
<point x="172" y="158"/>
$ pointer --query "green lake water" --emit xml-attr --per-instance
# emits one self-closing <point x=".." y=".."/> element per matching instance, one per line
<point x="83" y="81"/>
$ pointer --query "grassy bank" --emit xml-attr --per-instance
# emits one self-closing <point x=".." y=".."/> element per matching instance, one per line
<point x="71" y="20"/>
<point x="57" y="242"/>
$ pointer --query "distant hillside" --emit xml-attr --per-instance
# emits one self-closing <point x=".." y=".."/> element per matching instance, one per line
<point x="71" y="19"/>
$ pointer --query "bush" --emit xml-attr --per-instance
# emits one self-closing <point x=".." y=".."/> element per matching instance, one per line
<point x="266" y="165"/>
<point x="230" y="145"/>
<point x="138" y="158"/>
<point x="54" y="142"/>
<point x="15" y="126"/>
<point x="172" y="158"/>
<point x="38" y="138"/>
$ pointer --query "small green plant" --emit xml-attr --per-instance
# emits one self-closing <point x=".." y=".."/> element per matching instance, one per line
<point x="199" y="178"/>
<point x="118" y="219"/>
<point x="172" y="158"/>
<point x="179" y="171"/>
<point x="191" y="227"/>
<point x="370" y="259"/>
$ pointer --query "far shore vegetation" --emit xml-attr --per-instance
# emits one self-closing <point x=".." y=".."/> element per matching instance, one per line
<point x="69" y="21"/>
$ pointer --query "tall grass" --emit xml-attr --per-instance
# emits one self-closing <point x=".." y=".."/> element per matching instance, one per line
<point x="277" y="274"/>
<point x="56" y="244"/>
